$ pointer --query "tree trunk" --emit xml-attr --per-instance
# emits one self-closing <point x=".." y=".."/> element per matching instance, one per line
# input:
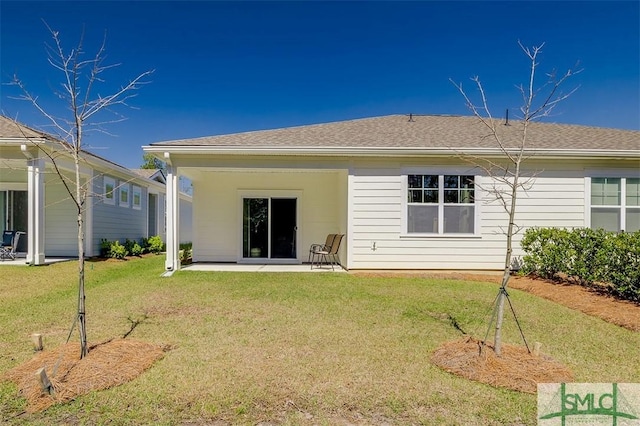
<point x="82" y="324"/>
<point x="80" y="199"/>
<point x="497" y="340"/>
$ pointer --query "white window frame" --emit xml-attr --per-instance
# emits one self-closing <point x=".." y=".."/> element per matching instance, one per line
<point x="124" y="189"/>
<point x="136" y="191"/>
<point x="105" y="196"/>
<point x="623" y="197"/>
<point x="441" y="204"/>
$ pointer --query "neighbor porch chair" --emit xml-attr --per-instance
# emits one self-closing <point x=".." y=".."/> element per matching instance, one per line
<point x="10" y="241"/>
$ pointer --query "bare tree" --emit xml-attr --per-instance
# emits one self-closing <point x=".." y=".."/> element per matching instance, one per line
<point x="515" y="148"/>
<point x="80" y="80"/>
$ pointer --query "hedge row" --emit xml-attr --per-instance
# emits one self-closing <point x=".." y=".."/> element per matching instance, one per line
<point x="586" y="255"/>
<point x="116" y="250"/>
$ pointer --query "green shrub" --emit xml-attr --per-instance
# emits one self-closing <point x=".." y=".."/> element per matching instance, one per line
<point x="185" y="252"/>
<point x="136" y="250"/>
<point x="105" y="247"/>
<point x="118" y="251"/>
<point x="547" y="251"/>
<point x="586" y="255"/>
<point x="128" y="244"/>
<point x="155" y="244"/>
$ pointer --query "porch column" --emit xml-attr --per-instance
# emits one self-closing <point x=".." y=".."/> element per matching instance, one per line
<point x="35" y="211"/>
<point x="172" y="261"/>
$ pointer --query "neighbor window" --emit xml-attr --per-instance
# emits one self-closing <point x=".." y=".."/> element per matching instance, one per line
<point x="441" y="204"/>
<point x="136" y="197"/>
<point x="124" y="195"/>
<point x="109" y="190"/>
<point x="615" y="204"/>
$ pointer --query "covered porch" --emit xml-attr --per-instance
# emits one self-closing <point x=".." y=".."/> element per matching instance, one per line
<point x="22" y="200"/>
<point x="252" y="214"/>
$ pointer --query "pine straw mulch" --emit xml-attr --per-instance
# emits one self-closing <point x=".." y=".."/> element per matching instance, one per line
<point x="592" y="301"/>
<point x="515" y="369"/>
<point x="107" y="365"/>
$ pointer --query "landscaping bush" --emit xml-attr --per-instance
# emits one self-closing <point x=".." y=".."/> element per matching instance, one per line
<point x="105" y="247"/>
<point x="155" y="245"/>
<point x="136" y="250"/>
<point x="185" y="252"/>
<point x="586" y="255"/>
<point x="118" y="251"/>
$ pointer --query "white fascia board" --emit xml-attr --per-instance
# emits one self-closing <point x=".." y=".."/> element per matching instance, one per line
<point x="387" y="152"/>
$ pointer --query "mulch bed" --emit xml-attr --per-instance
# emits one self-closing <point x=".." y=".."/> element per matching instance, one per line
<point x="591" y="301"/>
<point x="107" y="365"/>
<point x="515" y="369"/>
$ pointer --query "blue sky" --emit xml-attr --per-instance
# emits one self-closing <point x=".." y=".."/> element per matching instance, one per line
<point x="224" y="67"/>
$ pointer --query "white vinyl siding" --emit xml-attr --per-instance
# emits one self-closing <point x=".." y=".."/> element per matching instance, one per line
<point x="380" y="240"/>
<point x="61" y="226"/>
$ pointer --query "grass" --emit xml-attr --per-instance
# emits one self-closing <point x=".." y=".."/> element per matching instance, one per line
<point x="291" y="348"/>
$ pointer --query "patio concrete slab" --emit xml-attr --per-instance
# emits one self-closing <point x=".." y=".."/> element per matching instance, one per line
<point x="21" y="261"/>
<point x="244" y="267"/>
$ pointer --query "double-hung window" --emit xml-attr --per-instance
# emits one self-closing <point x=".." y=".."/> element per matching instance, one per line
<point x="615" y="204"/>
<point x="441" y="204"/>
<point x="109" y="190"/>
<point x="124" y="195"/>
<point x="136" y="197"/>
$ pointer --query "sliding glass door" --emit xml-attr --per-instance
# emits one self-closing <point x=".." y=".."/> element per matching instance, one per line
<point x="13" y="210"/>
<point x="269" y="228"/>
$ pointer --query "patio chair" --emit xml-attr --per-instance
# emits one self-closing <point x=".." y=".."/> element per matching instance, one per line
<point x="9" y="243"/>
<point x="328" y="254"/>
<point x="317" y="247"/>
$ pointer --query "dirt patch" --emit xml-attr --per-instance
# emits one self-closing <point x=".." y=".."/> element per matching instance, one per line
<point x="107" y="365"/>
<point x="515" y="369"/>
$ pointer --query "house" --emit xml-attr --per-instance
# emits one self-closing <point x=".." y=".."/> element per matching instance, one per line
<point x="401" y="188"/>
<point x="121" y="204"/>
<point x="185" y="201"/>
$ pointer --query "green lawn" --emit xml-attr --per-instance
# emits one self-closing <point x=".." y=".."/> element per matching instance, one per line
<point x="290" y="348"/>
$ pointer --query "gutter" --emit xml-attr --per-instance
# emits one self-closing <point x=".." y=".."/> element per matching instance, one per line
<point x="385" y="152"/>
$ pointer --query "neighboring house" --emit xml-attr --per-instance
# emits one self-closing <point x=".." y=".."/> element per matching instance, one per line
<point x="185" y="202"/>
<point x="397" y="186"/>
<point x="122" y="204"/>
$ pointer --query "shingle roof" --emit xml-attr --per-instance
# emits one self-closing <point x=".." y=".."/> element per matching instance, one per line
<point x="420" y="131"/>
<point x="11" y="129"/>
<point x="154" y="174"/>
<point x="148" y="173"/>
